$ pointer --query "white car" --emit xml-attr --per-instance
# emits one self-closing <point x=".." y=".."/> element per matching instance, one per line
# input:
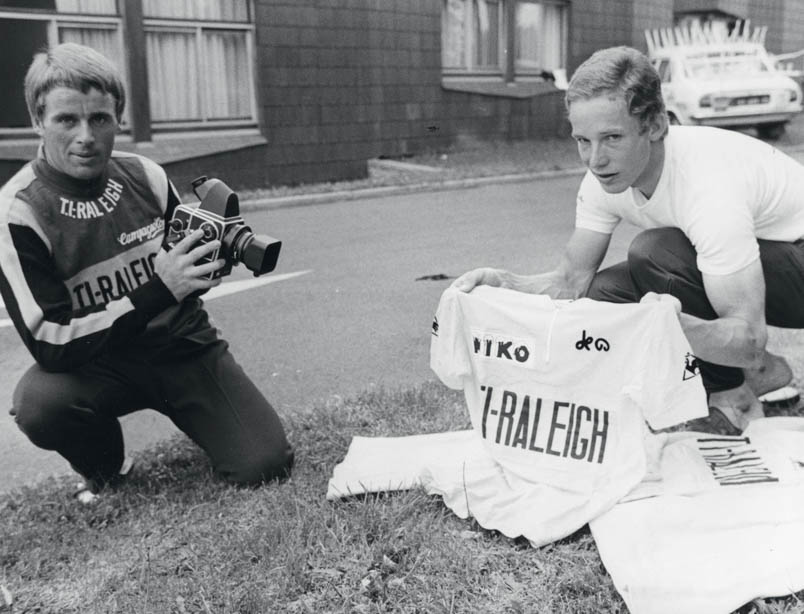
<point x="729" y="84"/>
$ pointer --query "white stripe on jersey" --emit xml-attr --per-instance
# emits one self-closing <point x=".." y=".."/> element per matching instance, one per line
<point x="13" y="210"/>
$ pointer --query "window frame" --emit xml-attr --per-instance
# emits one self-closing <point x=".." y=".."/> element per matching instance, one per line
<point x="529" y="74"/>
<point x="507" y="71"/>
<point x="137" y="122"/>
<point x="470" y="48"/>
<point x="54" y="22"/>
<point x="198" y="27"/>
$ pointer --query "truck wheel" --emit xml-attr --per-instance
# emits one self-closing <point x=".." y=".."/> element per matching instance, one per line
<point x="771" y="132"/>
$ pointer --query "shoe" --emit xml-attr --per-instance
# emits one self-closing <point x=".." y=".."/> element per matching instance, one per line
<point x="87" y="493"/>
<point x="785" y="397"/>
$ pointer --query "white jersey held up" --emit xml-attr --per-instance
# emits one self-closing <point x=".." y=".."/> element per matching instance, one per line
<point x="559" y="393"/>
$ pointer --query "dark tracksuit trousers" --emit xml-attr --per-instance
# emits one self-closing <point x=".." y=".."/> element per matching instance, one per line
<point x="202" y="390"/>
<point x="663" y="260"/>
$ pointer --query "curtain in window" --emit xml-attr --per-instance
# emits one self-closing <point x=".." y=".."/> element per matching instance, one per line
<point x="553" y="37"/>
<point x="213" y="10"/>
<point x="173" y="75"/>
<point x="228" y="92"/>
<point x="539" y="36"/>
<point x="98" y="7"/>
<point x="487" y="33"/>
<point x="103" y="40"/>
<point x="453" y="34"/>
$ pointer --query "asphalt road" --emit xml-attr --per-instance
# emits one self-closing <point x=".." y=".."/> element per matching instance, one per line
<point x="356" y="314"/>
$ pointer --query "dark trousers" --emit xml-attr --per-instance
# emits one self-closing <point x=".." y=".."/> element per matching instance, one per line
<point x="204" y="392"/>
<point x="663" y="260"/>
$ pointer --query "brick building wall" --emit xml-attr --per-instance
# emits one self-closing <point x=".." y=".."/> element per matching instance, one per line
<point x="343" y="81"/>
<point x="770" y="15"/>
<point x="595" y="24"/>
<point x="792" y="27"/>
<point x="733" y="7"/>
<point x="649" y="14"/>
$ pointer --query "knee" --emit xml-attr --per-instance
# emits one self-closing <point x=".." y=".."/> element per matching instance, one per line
<point x="269" y="464"/>
<point x="37" y="409"/>
<point x="649" y="244"/>
<point x="658" y="251"/>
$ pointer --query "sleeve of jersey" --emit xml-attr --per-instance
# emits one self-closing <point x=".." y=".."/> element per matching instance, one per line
<point x="448" y="352"/>
<point x="671" y="390"/>
<point x="591" y="212"/>
<point x="59" y="336"/>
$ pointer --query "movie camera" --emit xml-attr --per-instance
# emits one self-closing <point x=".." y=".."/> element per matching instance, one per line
<point x="218" y="216"/>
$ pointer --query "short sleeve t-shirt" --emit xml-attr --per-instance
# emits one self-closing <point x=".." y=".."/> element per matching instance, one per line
<point x="722" y="189"/>
<point x="559" y="391"/>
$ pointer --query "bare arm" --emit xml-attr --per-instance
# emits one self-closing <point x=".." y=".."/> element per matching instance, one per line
<point x="738" y="336"/>
<point x="570" y="279"/>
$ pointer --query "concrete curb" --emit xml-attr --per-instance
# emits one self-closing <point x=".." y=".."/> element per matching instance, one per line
<point x="303" y="200"/>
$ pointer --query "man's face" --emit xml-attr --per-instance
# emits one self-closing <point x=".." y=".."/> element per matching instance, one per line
<point x="614" y="145"/>
<point x="78" y="131"/>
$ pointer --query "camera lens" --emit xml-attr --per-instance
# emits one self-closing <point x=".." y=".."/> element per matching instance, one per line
<point x="258" y="252"/>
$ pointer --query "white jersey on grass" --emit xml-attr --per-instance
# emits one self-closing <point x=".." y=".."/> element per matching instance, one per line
<point x="559" y="393"/>
<point x="720" y="523"/>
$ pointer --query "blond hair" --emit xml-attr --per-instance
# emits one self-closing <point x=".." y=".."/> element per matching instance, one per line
<point x="619" y="71"/>
<point x="73" y="66"/>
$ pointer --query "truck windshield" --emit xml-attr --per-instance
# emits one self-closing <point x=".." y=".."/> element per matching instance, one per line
<point x="714" y="66"/>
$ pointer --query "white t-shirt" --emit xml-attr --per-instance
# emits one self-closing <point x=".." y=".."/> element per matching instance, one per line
<point x="723" y="189"/>
<point x="559" y="392"/>
<point x="720" y="524"/>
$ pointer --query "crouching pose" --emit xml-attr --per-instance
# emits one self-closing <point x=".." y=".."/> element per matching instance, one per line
<point x="111" y="318"/>
<point x="723" y="220"/>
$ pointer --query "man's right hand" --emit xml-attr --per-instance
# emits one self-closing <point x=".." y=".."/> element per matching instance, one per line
<point x="479" y="277"/>
<point x="178" y="269"/>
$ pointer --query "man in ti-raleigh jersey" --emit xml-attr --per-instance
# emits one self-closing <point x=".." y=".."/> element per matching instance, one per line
<point x="111" y="318"/>
<point x="722" y="216"/>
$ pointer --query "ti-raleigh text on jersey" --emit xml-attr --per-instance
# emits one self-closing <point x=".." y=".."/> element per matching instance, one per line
<point x="96" y="207"/>
<point x="128" y="269"/>
<point x="562" y="428"/>
<point x="556" y="427"/>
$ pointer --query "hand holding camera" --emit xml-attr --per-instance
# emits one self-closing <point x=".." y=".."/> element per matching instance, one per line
<point x="218" y="217"/>
<point x="204" y="242"/>
<point x="188" y="267"/>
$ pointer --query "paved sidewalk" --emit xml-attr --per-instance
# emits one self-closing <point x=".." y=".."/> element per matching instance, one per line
<point x="483" y="164"/>
<point x="419" y="185"/>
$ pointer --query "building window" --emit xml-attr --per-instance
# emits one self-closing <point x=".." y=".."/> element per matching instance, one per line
<point x="541" y="36"/>
<point x="476" y="39"/>
<point x="472" y="34"/>
<point x="200" y="62"/>
<point x="45" y="23"/>
<point x="199" y="56"/>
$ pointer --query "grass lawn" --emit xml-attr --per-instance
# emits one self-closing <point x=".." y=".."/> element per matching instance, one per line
<point x="175" y="540"/>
